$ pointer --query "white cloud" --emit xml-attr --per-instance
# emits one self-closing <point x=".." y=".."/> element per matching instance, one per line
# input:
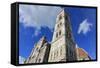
<point x="21" y="60"/>
<point x="84" y="27"/>
<point x="38" y="16"/>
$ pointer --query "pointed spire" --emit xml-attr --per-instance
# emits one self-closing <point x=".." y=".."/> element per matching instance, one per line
<point x="77" y="46"/>
<point x="62" y="8"/>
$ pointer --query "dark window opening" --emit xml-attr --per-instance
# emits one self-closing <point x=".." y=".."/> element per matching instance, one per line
<point x="60" y="17"/>
<point x="56" y="35"/>
<point x="61" y="51"/>
<point x="60" y="32"/>
<point x="60" y="23"/>
<point x="39" y="60"/>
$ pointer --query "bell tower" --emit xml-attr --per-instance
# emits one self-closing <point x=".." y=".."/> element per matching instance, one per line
<point x="62" y="45"/>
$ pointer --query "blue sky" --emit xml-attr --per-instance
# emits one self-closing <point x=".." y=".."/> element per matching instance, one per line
<point x="38" y="21"/>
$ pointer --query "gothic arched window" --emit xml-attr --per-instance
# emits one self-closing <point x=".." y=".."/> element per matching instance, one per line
<point x="54" y="55"/>
<point x="61" y="51"/>
<point x="57" y="53"/>
<point x="57" y="35"/>
<point x="39" y="60"/>
<point x="66" y="17"/>
<point x="60" y="23"/>
<point x="58" y="26"/>
<point x="60" y="17"/>
<point x="69" y="35"/>
<point x="59" y="32"/>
